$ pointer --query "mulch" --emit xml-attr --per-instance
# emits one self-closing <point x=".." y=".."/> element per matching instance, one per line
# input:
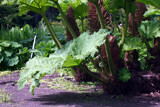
<point x="46" y="97"/>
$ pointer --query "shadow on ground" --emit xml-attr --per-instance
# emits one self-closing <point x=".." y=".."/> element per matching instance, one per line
<point x="88" y="100"/>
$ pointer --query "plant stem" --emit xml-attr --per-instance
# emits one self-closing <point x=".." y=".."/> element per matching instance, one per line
<point x="100" y="16"/>
<point x="82" y="25"/>
<point x="126" y="24"/>
<point x="110" y="62"/>
<point x="116" y="23"/>
<point x="53" y="35"/>
<point x="121" y="18"/>
<point x="109" y="56"/>
<point x="65" y="19"/>
<point x="92" y="75"/>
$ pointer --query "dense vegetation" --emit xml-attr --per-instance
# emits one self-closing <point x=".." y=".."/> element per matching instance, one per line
<point x="118" y="48"/>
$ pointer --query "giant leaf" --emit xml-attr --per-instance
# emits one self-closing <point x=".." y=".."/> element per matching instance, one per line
<point x="154" y="3"/>
<point x="149" y="29"/>
<point x="40" y="64"/>
<point x="75" y="51"/>
<point x="151" y="12"/>
<point x="132" y="43"/>
<point x="37" y="6"/>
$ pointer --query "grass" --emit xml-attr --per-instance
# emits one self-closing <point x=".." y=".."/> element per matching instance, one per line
<point x="66" y="84"/>
<point x="4" y="73"/>
<point x="4" y="96"/>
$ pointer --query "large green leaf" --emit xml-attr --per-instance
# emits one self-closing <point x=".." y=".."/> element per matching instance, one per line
<point x="13" y="61"/>
<point x="154" y="3"/>
<point x="86" y="45"/>
<point x="149" y="29"/>
<point x="69" y="62"/>
<point x="79" y="7"/>
<point x="74" y="51"/>
<point x="40" y="64"/>
<point x="132" y="43"/>
<point x="37" y="6"/>
<point x="151" y="12"/>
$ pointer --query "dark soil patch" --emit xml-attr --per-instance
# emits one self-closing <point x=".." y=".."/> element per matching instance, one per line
<point x="57" y="98"/>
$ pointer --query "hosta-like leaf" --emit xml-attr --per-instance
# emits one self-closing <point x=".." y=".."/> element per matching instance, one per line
<point x="149" y="29"/>
<point x="132" y="43"/>
<point x="13" y="61"/>
<point x="15" y="45"/>
<point x="8" y="53"/>
<point x="5" y="43"/>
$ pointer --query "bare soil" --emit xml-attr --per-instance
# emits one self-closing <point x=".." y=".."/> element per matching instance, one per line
<point x="47" y="97"/>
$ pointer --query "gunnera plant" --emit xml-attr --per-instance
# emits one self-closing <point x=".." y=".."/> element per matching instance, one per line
<point x="73" y="24"/>
<point x="94" y="26"/>
<point x="92" y="15"/>
<point x="138" y="18"/>
<point x="79" y="74"/>
<point x="131" y="57"/>
<point x="115" y="52"/>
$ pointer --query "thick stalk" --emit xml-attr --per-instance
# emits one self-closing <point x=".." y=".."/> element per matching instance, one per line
<point x="110" y="62"/>
<point x="103" y="62"/>
<point x="92" y="75"/>
<point x="100" y="16"/>
<point x="65" y="20"/>
<point x="126" y="24"/>
<point x="53" y="35"/>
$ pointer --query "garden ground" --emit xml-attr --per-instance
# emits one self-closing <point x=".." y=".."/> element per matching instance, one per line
<point x="74" y="95"/>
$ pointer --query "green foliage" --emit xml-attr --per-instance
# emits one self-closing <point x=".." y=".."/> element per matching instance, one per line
<point x="124" y="75"/>
<point x="154" y="3"/>
<point x="151" y="12"/>
<point x="149" y="29"/>
<point x="113" y="5"/>
<point x="9" y="16"/>
<point x="22" y="35"/>
<point x="79" y="7"/>
<point x="9" y="54"/>
<point x="44" y="48"/>
<point x="132" y="43"/>
<point x="4" y="96"/>
<point x="37" y="6"/>
<point x="74" y="51"/>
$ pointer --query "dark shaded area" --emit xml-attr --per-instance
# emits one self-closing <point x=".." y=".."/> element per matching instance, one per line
<point x="85" y="100"/>
<point x="141" y="82"/>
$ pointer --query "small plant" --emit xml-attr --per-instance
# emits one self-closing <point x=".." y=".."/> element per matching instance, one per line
<point x="4" y="97"/>
<point x="124" y="75"/>
<point x="11" y="54"/>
